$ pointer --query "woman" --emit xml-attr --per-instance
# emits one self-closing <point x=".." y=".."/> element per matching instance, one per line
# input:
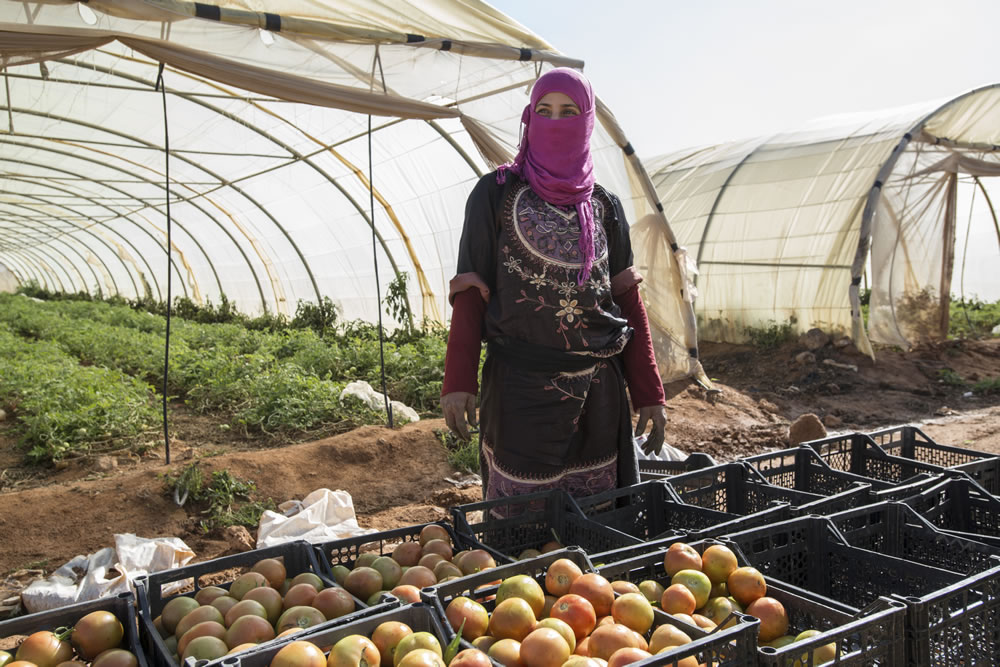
<point x="545" y="275"/>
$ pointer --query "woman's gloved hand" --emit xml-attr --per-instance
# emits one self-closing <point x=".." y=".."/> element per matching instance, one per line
<point x="459" y="408"/>
<point x="657" y="414"/>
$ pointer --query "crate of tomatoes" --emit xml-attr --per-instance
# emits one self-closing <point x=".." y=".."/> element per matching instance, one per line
<point x="99" y="633"/>
<point x="555" y="609"/>
<point x="236" y="602"/>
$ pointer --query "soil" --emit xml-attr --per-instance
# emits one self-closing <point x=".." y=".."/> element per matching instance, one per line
<point x="398" y="477"/>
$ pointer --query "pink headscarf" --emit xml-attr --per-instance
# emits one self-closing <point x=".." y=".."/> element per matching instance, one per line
<point x="554" y="156"/>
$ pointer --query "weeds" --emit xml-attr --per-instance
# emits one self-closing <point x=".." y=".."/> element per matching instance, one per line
<point x="771" y="336"/>
<point x="461" y="455"/>
<point x="227" y="499"/>
<point x="987" y="386"/>
<point x="951" y="378"/>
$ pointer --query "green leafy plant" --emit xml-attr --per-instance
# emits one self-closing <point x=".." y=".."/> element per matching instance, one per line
<point x="972" y="317"/>
<point x="64" y="409"/>
<point x="461" y="455"/>
<point x="228" y="500"/>
<point x="772" y="335"/>
<point x="951" y="378"/>
<point x="987" y="386"/>
<point x="320" y="317"/>
<point x="397" y="302"/>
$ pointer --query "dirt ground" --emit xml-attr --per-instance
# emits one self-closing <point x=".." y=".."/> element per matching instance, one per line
<point x="397" y="477"/>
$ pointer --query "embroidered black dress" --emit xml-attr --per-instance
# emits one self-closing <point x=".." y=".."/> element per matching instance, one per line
<point x="553" y="410"/>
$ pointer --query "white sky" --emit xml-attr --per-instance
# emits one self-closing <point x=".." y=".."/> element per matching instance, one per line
<point x="681" y="73"/>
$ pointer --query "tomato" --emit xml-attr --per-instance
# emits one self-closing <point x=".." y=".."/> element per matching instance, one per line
<point x="433" y="531"/>
<point x="45" y="649"/>
<point x="115" y="657"/>
<point x="248" y="629"/>
<point x="199" y="615"/>
<point x="544" y="647"/>
<point x="473" y="614"/>
<point x="333" y="602"/>
<point x="421" y="657"/>
<point x="386" y="638"/>
<point x="245" y="582"/>
<point x="299" y="654"/>
<point x="300" y="617"/>
<point x="512" y="619"/>
<point x="273" y="570"/>
<point x="413" y="642"/>
<point x="299" y="595"/>
<point x="524" y="587"/>
<point x="100" y="630"/>
<point x="175" y="609"/>
<point x="363" y="582"/>
<point x="597" y="589"/>
<point x="204" y="629"/>
<point x="354" y="651"/>
<point x="205" y="648"/>
<point x="308" y="578"/>
<point x="245" y="608"/>
<point x="560" y="575"/>
<point x="577" y="612"/>
<point x="609" y="638"/>
<point x="270" y="599"/>
<point x="208" y="593"/>
<point x="471" y="657"/>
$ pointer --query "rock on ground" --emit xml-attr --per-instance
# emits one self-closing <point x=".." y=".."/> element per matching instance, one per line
<point x="805" y="428"/>
<point x="805" y="358"/>
<point x="239" y="538"/>
<point x="814" y="339"/>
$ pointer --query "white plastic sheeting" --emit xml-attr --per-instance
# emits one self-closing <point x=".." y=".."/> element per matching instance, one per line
<point x="781" y="226"/>
<point x="267" y="116"/>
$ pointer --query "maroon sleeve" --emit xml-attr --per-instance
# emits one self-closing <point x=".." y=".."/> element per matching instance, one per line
<point x="643" y="378"/>
<point x="461" y="361"/>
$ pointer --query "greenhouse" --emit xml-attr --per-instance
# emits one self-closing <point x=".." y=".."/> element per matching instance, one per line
<point x="305" y="144"/>
<point x="786" y="229"/>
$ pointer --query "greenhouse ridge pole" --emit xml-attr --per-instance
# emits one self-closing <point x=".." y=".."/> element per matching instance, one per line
<point x="378" y="286"/>
<point x="161" y="86"/>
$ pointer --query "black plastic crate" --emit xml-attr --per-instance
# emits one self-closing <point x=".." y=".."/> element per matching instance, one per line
<point x="959" y="506"/>
<point x="910" y="442"/>
<point x="859" y="454"/>
<point x="733" y="646"/>
<point x="872" y="637"/>
<point x="420" y="617"/>
<point x="121" y="605"/>
<point x="652" y="511"/>
<point x="739" y="488"/>
<point x="507" y="527"/>
<point x="803" y="469"/>
<point x="951" y="619"/>
<point x="651" y="469"/>
<point x="346" y="551"/>
<point x="298" y="557"/>
<point x="895" y="529"/>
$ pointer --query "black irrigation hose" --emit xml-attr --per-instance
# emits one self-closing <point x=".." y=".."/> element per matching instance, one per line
<point x="166" y="347"/>
<point x="378" y="288"/>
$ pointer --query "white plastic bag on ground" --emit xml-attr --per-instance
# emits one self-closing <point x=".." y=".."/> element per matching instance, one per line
<point x="324" y="515"/>
<point x="107" y="572"/>
<point x="363" y="391"/>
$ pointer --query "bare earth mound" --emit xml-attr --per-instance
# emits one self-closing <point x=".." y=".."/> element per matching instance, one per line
<point x="397" y="477"/>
